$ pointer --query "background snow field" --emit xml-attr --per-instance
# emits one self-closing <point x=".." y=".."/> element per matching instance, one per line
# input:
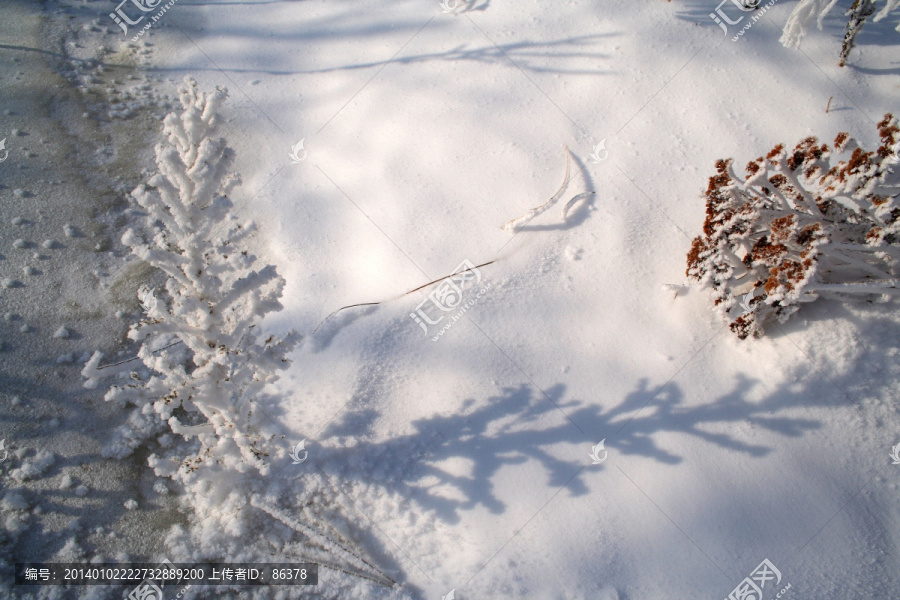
<point x="460" y="465"/>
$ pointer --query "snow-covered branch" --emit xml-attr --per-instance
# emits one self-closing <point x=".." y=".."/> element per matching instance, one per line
<point x="800" y="19"/>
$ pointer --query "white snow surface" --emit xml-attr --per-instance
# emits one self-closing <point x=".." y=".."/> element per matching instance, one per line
<point x="466" y="461"/>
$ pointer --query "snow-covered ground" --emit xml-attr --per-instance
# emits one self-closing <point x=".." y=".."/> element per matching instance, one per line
<point x="464" y="463"/>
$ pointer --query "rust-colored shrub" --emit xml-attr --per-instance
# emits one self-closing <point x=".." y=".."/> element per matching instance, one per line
<point x="810" y="222"/>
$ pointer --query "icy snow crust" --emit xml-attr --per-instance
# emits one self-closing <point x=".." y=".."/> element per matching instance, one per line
<point x="465" y="463"/>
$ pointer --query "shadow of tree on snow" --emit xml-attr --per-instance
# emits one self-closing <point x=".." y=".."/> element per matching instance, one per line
<point x="520" y="425"/>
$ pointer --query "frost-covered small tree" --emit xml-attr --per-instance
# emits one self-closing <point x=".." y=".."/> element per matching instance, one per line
<point x="813" y="221"/>
<point x="858" y="12"/>
<point x="204" y="358"/>
<point x="203" y="362"/>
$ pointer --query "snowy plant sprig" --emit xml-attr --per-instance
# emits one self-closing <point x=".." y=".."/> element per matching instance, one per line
<point x="810" y="222"/>
<point x="204" y="357"/>
<point x="858" y="11"/>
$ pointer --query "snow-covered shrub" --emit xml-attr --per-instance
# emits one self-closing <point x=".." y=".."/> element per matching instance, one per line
<point x="858" y="12"/>
<point x="813" y="221"/>
<point x="204" y="358"/>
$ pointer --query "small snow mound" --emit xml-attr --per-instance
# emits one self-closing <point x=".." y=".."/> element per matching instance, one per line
<point x="608" y="593"/>
<point x="69" y="230"/>
<point x="61" y="333"/>
<point x="9" y="283"/>
<point x="14" y="500"/>
<point x="65" y="359"/>
<point x="81" y="491"/>
<point x="49" y="244"/>
<point x="18" y="220"/>
<point x="20" y="243"/>
<point x="29" y="271"/>
<point x="71" y="552"/>
<point x="14" y="505"/>
<point x="34" y="467"/>
<point x="16" y="523"/>
<point x="131" y="504"/>
<point x="66" y="482"/>
<point x="20" y="193"/>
